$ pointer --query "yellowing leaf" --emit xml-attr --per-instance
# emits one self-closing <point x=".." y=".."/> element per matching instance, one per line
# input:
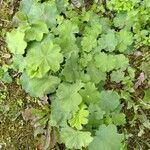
<point x="79" y="118"/>
<point x="15" y="42"/>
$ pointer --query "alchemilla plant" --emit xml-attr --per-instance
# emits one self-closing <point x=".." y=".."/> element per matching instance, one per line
<point x="69" y="52"/>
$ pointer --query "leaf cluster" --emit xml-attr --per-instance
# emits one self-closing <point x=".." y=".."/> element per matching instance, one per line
<point x="68" y="54"/>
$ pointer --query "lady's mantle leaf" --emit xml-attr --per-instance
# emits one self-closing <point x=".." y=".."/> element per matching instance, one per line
<point x="68" y="96"/>
<point x="75" y="139"/>
<point x="90" y="93"/>
<point x="120" y="20"/>
<point x="107" y="62"/>
<point x="19" y="63"/>
<point x="107" y="138"/>
<point x="147" y="95"/>
<point x="125" y="39"/>
<point x="71" y="71"/>
<point x="119" y="118"/>
<point x="117" y="76"/>
<point x="58" y="116"/>
<point x="66" y="39"/>
<point x="79" y="118"/>
<point x="39" y="87"/>
<point x="109" y="100"/>
<point x="88" y="43"/>
<point x="96" y="112"/>
<point x="36" y="31"/>
<point x="42" y="58"/>
<point x="15" y="41"/>
<point x="108" y="41"/>
<point x="67" y="100"/>
<point x="96" y="74"/>
<point x="35" y="11"/>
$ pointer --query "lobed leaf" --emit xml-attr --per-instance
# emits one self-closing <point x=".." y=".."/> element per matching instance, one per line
<point x="74" y="139"/>
<point x="107" y="138"/>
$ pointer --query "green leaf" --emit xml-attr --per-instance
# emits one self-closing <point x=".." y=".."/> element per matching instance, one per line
<point x="90" y="93"/>
<point x="121" y="62"/>
<point x="107" y="138"/>
<point x="105" y="62"/>
<point x="118" y="119"/>
<point x="45" y="12"/>
<point x="93" y="28"/>
<point x="15" y="42"/>
<point x="79" y="118"/>
<point x="120" y="20"/>
<point x="108" y="41"/>
<point x="117" y="76"/>
<point x="58" y="116"/>
<point x="19" y="63"/>
<point x="67" y="40"/>
<point x="43" y="57"/>
<point x="75" y="139"/>
<point x="68" y="96"/>
<point x="25" y="5"/>
<point x="85" y="59"/>
<point x="109" y="100"/>
<point x="125" y="39"/>
<point x="32" y="9"/>
<point x="105" y="23"/>
<point x="4" y="74"/>
<point x="50" y="13"/>
<point x="95" y="74"/>
<point x="36" y="31"/>
<point x="71" y="71"/>
<point x="6" y="78"/>
<point x="39" y="87"/>
<point x="61" y="5"/>
<point x="96" y="112"/>
<point x="1" y="72"/>
<point x="88" y="43"/>
<point x="147" y="95"/>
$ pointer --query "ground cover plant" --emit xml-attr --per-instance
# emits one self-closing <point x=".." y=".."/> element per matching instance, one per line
<point x="87" y="63"/>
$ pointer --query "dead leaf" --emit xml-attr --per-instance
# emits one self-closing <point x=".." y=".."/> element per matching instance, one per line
<point x="44" y="100"/>
<point x="138" y="53"/>
<point x="6" y="56"/>
<point x="27" y="114"/>
<point x="140" y="80"/>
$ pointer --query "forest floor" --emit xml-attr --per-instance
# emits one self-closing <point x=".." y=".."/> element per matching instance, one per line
<point x="15" y="132"/>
